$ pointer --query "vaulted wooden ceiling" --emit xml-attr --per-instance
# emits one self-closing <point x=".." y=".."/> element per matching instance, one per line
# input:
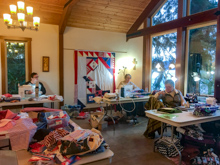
<point x="108" y="15"/>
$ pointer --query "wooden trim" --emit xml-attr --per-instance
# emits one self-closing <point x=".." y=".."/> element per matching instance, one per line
<point x="180" y="58"/>
<point x="61" y="67"/>
<point x="146" y="73"/>
<point x="3" y="67"/>
<point x="217" y="60"/>
<point x="148" y="12"/>
<point x="66" y="13"/>
<point x="182" y="8"/>
<point x="198" y="18"/>
<point x="29" y="58"/>
<point x="3" y="39"/>
<point x="11" y="38"/>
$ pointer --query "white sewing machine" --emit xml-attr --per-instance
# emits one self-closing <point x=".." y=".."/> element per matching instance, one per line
<point x="23" y="90"/>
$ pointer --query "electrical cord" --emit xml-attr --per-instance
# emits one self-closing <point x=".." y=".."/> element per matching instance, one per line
<point x="125" y="109"/>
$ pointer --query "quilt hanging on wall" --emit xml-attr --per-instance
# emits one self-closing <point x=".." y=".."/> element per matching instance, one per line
<point x="94" y="75"/>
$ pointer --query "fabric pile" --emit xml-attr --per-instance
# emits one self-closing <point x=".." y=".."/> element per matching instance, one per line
<point x="63" y="145"/>
<point x="19" y="128"/>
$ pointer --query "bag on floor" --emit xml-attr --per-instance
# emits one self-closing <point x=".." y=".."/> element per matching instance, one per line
<point x="89" y="144"/>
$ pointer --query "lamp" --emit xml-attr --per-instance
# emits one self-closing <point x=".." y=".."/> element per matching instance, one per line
<point x="20" y="11"/>
<point x="122" y="70"/>
<point x="7" y="18"/>
<point x="29" y="10"/>
<point x="13" y="9"/>
<point x="20" y="6"/>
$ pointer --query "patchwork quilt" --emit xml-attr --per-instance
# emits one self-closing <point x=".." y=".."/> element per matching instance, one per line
<point x="94" y="75"/>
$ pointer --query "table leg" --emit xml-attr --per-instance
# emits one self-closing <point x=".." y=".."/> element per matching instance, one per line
<point x="52" y="105"/>
<point x="161" y="135"/>
<point x="173" y="143"/>
<point x="106" y="114"/>
<point x="110" y="160"/>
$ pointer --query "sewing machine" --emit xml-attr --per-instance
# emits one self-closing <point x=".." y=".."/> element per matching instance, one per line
<point x="23" y="90"/>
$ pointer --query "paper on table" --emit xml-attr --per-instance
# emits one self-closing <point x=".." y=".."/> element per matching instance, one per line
<point x="168" y="116"/>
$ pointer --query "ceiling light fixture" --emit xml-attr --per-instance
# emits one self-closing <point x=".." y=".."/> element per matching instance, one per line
<point x="18" y="16"/>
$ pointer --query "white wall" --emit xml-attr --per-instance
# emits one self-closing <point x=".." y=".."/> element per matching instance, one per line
<point x="44" y="43"/>
<point x="84" y="39"/>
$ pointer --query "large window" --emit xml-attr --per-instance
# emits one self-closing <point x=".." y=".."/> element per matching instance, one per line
<point x="201" y="60"/>
<point x="163" y="60"/>
<point x="15" y="62"/>
<point x="15" y="65"/>
<point x="168" y="12"/>
<point x="197" y="6"/>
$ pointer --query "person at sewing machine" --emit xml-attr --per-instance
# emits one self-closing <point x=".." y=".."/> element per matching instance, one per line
<point x="33" y="81"/>
<point x="171" y="97"/>
<point x="127" y="81"/>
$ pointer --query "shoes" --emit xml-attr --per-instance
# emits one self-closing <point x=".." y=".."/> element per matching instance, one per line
<point x="151" y="135"/>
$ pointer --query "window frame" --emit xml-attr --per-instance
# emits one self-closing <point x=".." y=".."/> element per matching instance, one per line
<point x="28" y="70"/>
<point x="187" y="52"/>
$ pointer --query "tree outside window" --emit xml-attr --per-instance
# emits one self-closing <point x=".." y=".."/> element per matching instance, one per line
<point x="15" y="65"/>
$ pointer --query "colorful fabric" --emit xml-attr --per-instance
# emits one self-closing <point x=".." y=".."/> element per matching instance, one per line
<point x="6" y="124"/>
<point x="21" y="134"/>
<point x="77" y="135"/>
<point x="94" y="73"/>
<point x="53" y="137"/>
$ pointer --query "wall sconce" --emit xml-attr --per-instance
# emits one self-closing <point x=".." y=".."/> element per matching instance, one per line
<point x="122" y="70"/>
<point x="135" y="63"/>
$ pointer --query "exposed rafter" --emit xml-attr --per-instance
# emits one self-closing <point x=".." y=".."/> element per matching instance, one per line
<point x="66" y="13"/>
<point x="202" y="17"/>
<point x="148" y="12"/>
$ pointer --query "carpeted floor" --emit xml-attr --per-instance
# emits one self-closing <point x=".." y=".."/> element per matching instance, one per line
<point x="129" y="145"/>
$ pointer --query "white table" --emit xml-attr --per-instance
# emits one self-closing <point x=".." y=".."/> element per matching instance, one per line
<point x="125" y="100"/>
<point x="26" y="102"/>
<point x="182" y="119"/>
<point x="108" y="154"/>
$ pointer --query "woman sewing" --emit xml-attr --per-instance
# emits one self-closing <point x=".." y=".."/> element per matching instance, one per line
<point x="171" y="97"/>
<point x="127" y="81"/>
<point x="129" y="107"/>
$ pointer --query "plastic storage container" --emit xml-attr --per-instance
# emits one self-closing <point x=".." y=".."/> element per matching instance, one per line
<point x="57" y="122"/>
<point x="72" y="110"/>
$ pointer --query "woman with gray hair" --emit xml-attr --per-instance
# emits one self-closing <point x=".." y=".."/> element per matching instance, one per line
<point x="171" y="97"/>
<point x="127" y="81"/>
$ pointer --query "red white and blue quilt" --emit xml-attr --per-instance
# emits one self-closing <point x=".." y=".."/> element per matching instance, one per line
<point x="94" y="75"/>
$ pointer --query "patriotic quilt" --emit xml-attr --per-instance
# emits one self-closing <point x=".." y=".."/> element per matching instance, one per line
<point x="94" y="75"/>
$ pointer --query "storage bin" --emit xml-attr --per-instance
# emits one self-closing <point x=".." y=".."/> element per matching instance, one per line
<point x="57" y="122"/>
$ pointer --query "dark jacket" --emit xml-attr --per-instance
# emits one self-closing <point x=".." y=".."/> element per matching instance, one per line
<point x="42" y="88"/>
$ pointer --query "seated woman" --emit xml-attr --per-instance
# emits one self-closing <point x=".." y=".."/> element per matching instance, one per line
<point x="129" y="106"/>
<point x="171" y="97"/>
<point x="127" y="81"/>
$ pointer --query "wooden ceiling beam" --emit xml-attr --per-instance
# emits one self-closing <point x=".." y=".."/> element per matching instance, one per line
<point x="194" y="19"/>
<point x="66" y="13"/>
<point x="148" y="12"/>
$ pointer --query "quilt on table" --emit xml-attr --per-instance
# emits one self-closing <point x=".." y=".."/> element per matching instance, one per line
<point x="94" y="75"/>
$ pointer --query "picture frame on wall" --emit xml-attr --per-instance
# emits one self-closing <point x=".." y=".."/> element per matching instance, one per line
<point x="46" y="63"/>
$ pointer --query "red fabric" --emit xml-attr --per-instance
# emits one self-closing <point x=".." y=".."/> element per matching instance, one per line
<point x="7" y="114"/>
<point x="7" y="95"/>
<point x="52" y="98"/>
<point x="10" y="115"/>
<point x="30" y="109"/>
